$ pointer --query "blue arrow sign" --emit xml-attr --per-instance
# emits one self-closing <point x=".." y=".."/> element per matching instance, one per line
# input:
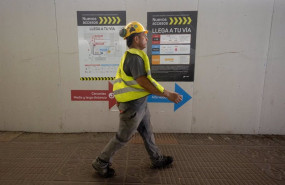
<point x="159" y="99"/>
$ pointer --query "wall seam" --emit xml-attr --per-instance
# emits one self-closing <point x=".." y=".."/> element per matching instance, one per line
<point x="193" y="98"/>
<point x="58" y="58"/>
<point x="265" y="70"/>
<point x="57" y="42"/>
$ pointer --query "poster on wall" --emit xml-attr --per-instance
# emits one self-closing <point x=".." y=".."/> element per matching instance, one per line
<point x="171" y="45"/>
<point x="99" y="43"/>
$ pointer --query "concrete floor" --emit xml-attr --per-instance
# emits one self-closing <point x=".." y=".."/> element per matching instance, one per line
<point x="200" y="159"/>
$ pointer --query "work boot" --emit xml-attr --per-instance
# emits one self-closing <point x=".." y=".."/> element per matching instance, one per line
<point x="162" y="162"/>
<point x="103" y="168"/>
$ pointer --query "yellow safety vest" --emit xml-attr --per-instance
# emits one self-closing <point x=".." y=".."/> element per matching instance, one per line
<point x="126" y="87"/>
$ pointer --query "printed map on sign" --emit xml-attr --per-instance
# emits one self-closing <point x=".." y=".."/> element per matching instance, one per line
<point x="100" y="46"/>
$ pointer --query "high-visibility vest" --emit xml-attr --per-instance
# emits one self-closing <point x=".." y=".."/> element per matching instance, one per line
<point x="126" y="87"/>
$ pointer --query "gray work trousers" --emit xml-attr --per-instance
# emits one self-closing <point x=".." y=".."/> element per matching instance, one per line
<point x="134" y="116"/>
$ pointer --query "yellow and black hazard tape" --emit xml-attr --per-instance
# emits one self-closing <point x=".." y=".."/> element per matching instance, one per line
<point x="96" y="78"/>
<point x="109" y="20"/>
<point x="180" y="20"/>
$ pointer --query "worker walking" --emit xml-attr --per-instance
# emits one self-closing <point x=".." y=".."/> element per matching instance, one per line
<point x="133" y="83"/>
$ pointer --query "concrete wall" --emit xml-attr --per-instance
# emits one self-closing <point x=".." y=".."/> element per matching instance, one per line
<point x="239" y="68"/>
<point x="232" y="55"/>
<point x="272" y="118"/>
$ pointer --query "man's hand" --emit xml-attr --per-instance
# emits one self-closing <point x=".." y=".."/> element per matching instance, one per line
<point x="147" y="85"/>
<point x="172" y="96"/>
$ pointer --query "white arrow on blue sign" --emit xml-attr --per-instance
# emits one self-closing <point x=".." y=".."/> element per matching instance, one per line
<point x="159" y="99"/>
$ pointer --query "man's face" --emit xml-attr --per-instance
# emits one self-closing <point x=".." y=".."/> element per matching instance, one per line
<point x="142" y="40"/>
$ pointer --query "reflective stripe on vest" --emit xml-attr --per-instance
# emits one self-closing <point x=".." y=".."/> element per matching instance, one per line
<point x="133" y="82"/>
<point x="126" y="87"/>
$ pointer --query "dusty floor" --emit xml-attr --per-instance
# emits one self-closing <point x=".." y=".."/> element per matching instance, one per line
<point x="200" y="159"/>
